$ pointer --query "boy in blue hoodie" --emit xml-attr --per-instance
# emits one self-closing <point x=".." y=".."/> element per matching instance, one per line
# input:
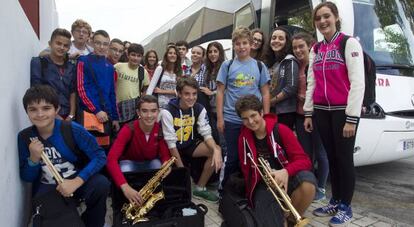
<point x="80" y="178"/>
<point x="188" y="133"/>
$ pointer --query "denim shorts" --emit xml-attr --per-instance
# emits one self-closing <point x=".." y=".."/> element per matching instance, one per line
<point x="299" y="178"/>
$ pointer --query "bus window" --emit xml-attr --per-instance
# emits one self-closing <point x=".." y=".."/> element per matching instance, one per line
<point x="244" y="17"/>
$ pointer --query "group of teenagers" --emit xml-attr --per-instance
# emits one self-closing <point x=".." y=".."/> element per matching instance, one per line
<point x="284" y="100"/>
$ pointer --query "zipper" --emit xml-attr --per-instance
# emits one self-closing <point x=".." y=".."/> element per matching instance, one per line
<point x="324" y="76"/>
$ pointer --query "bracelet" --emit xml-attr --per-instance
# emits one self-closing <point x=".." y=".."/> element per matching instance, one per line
<point x="71" y="116"/>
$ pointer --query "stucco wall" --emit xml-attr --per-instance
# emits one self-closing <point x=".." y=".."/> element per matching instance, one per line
<point x="18" y="43"/>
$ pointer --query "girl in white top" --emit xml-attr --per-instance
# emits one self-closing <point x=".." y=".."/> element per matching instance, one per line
<point x="165" y="77"/>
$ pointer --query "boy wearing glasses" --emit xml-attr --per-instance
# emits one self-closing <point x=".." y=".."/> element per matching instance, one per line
<point x="95" y="82"/>
<point x="116" y="49"/>
<point x="81" y="31"/>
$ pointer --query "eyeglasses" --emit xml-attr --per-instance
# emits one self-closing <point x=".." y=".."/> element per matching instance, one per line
<point x="117" y="50"/>
<point x="257" y="40"/>
<point x="82" y="31"/>
<point x="100" y="44"/>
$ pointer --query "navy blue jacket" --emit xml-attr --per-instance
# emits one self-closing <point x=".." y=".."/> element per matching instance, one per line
<point x="61" y="78"/>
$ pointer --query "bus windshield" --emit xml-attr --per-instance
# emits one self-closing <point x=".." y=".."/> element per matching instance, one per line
<point x="385" y="30"/>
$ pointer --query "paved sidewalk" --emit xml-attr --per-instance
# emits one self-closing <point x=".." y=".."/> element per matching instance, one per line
<point x="213" y="218"/>
<point x="360" y="219"/>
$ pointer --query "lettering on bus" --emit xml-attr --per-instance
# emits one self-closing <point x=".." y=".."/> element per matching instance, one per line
<point x="381" y="82"/>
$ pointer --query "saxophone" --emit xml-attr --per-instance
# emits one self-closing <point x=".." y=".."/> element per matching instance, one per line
<point x="135" y="213"/>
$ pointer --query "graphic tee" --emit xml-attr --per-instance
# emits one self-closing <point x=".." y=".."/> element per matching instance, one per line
<point x="127" y="85"/>
<point x="64" y="167"/>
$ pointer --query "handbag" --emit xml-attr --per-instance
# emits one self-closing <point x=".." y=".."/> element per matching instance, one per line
<point x="51" y="209"/>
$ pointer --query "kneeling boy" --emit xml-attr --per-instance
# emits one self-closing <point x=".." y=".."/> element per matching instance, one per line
<point x="262" y="136"/>
<point x="185" y="125"/>
<point x="80" y="177"/>
<point x="139" y="146"/>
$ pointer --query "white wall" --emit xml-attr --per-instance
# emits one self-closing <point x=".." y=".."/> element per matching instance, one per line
<point x="18" y="43"/>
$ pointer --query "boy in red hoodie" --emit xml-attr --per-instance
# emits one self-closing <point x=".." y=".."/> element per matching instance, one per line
<point x="262" y="136"/>
<point x="139" y="149"/>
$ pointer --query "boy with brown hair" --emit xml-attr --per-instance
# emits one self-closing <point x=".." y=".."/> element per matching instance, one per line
<point x="240" y="76"/>
<point x="262" y="136"/>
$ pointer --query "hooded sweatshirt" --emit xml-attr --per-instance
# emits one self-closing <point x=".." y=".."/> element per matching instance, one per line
<point x="178" y="124"/>
<point x="289" y="153"/>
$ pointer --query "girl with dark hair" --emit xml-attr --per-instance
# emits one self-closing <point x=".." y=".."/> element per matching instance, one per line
<point x="334" y="95"/>
<point x="151" y="62"/>
<point x="258" y="46"/>
<point x="284" y="72"/>
<point x="311" y="142"/>
<point x="165" y="77"/>
<point x="213" y="61"/>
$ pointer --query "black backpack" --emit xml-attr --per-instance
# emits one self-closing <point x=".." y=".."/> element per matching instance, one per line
<point x="66" y="131"/>
<point x="370" y="73"/>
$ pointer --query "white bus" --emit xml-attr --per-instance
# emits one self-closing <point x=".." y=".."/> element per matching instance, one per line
<point x="384" y="28"/>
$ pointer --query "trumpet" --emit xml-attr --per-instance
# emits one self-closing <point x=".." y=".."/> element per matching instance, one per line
<point x="278" y="193"/>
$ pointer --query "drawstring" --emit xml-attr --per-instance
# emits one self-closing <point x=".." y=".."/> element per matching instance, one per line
<point x="244" y="149"/>
<point x="192" y="123"/>
<point x="274" y="145"/>
<point x="181" y="127"/>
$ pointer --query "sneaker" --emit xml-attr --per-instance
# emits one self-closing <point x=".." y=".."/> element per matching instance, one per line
<point x="206" y="195"/>
<point x="328" y="210"/>
<point x="319" y="195"/>
<point x="342" y="217"/>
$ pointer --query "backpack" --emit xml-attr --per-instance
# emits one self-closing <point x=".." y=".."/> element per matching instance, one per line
<point x="370" y="73"/>
<point x="259" y="65"/>
<point x="141" y="76"/>
<point x="66" y="131"/>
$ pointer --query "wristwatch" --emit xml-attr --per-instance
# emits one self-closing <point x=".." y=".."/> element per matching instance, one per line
<point x="71" y="116"/>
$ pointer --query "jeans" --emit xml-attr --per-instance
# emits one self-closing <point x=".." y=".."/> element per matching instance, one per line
<point x="231" y="136"/>
<point x="312" y="144"/>
<point x="134" y="166"/>
<point x="94" y="192"/>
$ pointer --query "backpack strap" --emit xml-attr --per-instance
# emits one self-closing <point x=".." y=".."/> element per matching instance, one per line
<point x="159" y="79"/>
<point x="26" y="134"/>
<point x="43" y="66"/>
<point x="66" y="131"/>
<point x="141" y="76"/>
<point x="259" y="66"/>
<point x="342" y="46"/>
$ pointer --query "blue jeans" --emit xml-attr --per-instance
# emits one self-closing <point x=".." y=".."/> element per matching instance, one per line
<point x="134" y="166"/>
<point x="231" y="136"/>
<point x="94" y="191"/>
<point x="312" y="144"/>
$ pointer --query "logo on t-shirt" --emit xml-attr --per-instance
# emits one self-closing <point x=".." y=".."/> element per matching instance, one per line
<point x="244" y="80"/>
<point x="64" y="167"/>
<point x="185" y="127"/>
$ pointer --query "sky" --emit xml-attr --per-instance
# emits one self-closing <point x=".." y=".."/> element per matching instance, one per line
<point x="131" y="20"/>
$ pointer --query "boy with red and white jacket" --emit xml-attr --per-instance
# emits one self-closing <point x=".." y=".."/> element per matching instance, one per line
<point x="290" y="164"/>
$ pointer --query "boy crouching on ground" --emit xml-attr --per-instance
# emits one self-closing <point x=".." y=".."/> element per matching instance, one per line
<point x="188" y="134"/>
<point x="79" y="172"/>
<point x="262" y="136"/>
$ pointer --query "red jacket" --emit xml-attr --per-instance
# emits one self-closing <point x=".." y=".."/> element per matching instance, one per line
<point x="138" y="150"/>
<point x="296" y="160"/>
